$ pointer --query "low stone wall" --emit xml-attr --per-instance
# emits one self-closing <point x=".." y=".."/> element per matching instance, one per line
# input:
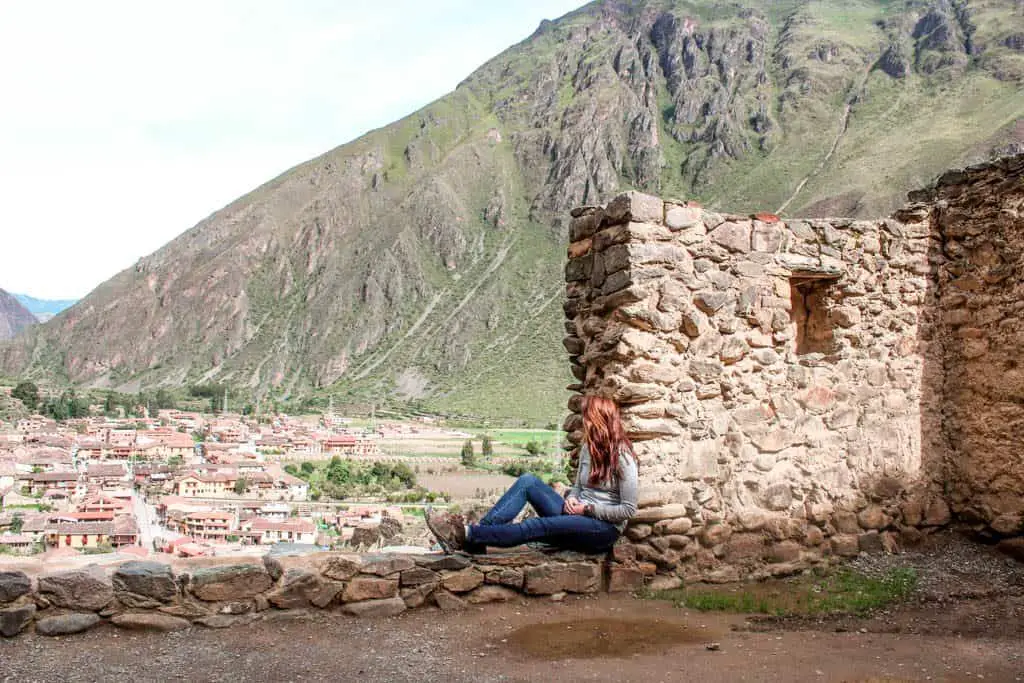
<point x="152" y="595"/>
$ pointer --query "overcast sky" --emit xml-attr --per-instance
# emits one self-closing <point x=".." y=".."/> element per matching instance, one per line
<point x="125" y="123"/>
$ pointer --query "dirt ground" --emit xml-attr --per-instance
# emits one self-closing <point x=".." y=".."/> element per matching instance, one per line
<point x="964" y="623"/>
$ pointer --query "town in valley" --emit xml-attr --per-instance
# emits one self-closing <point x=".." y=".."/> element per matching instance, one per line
<point x="187" y="483"/>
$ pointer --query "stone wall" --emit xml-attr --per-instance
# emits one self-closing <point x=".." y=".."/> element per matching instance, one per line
<point x="785" y="382"/>
<point x="979" y="216"/>
<point x="152" y="595"/>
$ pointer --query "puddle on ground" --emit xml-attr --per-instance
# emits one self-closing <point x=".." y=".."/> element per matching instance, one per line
<point x="593" y="638"/>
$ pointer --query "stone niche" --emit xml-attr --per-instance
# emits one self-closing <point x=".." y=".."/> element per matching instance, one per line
<point x="785" y="382"/>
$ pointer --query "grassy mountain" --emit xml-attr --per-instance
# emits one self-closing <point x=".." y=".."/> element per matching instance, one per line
<point x="422" y="262"/>
<point x="13" y="316"/>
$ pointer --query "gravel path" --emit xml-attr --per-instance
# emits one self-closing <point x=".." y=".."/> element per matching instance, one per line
<point x="484" y="644"/>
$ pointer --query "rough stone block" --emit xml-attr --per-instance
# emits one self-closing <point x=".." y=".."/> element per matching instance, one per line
<point x="635" y="206"/>
<point x="388" y="607"/>
<point x="87" y="589"/>
<point x="623" y="578"/>
<point x="232" y="582"/>
<point x="14" y="619"/>
<point x="683" y="217"/>
<point x="149" y="621"/>
<point x="448" y="602"/>
<point x="13" y="584"/>
<point x="585" y="225"/>
<point x="734" y="236"/>
<point x="66" y="624"/>
<point x="298" y="587"/>
<point x="418" y="576"/>
<point x="369" y="588"/>
<point x="417" y="596"/>
<point x="386" y="564"/>
<point x="845" y="545"/>
<point x="672" y="511"/>
<point x="508" y="576"/>
<point x="463" y="580"/>
<point x="153" y="580"/>
<point x="576" y="577"/>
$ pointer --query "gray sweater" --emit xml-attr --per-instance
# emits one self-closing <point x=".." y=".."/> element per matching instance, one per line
<point x="614" y="501"/>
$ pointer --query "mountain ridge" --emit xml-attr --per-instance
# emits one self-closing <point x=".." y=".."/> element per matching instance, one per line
<point x="14" y="318"/>
<point x="421" y="262"/>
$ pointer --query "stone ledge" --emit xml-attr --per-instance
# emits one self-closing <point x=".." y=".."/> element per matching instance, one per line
<point x="154" y="595"/>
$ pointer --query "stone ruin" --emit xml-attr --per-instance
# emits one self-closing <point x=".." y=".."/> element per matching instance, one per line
<point x="804" y="389"/>
<point x="797" y="391"/>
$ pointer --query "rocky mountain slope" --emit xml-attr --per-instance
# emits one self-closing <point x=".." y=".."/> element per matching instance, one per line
<point x="422" y="261"/>
<point x="13" y="316"/>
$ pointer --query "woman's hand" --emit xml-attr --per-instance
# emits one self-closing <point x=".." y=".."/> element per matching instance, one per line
<point x="573" y="506"/>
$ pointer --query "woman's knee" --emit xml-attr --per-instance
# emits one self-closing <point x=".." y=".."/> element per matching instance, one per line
<point x="529" y="479"/>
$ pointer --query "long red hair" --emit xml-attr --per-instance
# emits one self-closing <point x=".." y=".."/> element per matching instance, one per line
<point x="604" y="436"/>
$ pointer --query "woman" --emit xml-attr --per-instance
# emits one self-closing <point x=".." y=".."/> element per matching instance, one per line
<point x="590" y="517"/>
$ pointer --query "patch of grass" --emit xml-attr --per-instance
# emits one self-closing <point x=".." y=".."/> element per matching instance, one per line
<point x="841" y="592"/>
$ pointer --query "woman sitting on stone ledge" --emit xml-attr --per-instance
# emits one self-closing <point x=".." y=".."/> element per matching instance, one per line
<point x="591" y="516"/>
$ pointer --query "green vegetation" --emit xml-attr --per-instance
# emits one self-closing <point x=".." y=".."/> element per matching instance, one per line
<point x="339" y="479"/>
<point x="468" y="457"/>
<point x="548" y="470"/>
<point x="843" y="591"/>
<point x="27" y="393"/>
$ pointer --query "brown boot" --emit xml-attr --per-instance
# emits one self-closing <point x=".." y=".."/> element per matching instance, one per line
<point x="448" y="529"/>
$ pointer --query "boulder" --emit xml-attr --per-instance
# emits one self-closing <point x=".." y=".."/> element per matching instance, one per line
<point x="66" y="624"/>
<point x="231" y="582"/>
<point x="387" y="607"/>
<point x="151" y="580"/>
<point x="13" y="585"/>
<point x="149" y="621"/>
<point x="14" y="619"/>
<point x="86" y="589"/>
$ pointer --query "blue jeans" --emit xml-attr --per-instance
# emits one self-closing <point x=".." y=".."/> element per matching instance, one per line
<point x="573" y="532"/>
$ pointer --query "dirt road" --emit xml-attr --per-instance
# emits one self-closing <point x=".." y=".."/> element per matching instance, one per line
<point x="535" y="640"/>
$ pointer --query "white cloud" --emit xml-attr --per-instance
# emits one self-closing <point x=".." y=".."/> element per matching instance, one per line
<point x="125" y="123"/>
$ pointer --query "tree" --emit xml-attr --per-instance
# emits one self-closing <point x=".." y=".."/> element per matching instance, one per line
<point x="17" y="522"/>
<point x="468" y="457"/>
<point x="533" y="448"/>
<point x="27" y="393"/>
<point x="240" y="486"/>
<point x="486" y="447"/>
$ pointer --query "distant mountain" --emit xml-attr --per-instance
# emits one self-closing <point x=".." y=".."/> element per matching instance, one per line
<point x="44" y="309"/>
<point x="13" y="316"/>
<point x="423" y="261"/>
